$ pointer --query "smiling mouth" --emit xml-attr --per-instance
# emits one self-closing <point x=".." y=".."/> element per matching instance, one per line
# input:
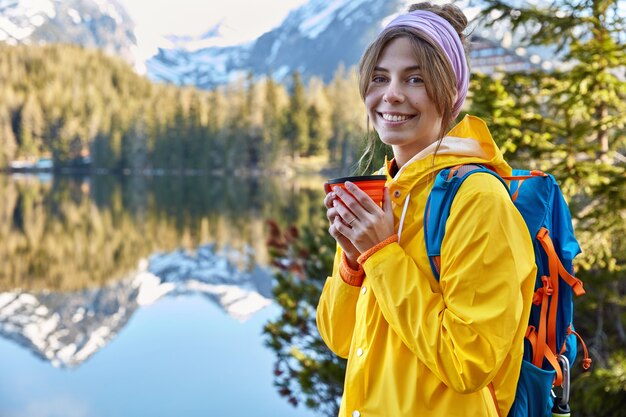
<point x="395" y="117"/>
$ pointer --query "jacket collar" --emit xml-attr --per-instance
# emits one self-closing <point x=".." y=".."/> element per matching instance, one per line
<point x="469" y="142"/>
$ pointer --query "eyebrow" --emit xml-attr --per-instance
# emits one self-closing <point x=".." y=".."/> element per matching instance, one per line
<point x="411" y="68"/>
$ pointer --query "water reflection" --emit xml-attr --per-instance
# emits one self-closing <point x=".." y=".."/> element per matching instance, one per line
<point x="89" y="255"/>
<point x="76" y="233"/>
<point x="66" y="328"/>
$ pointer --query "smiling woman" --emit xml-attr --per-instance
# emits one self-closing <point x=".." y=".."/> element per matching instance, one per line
<point x="415" y="344"/>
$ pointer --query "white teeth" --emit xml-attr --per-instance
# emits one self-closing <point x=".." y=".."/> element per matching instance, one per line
<point x="394" y="117"/>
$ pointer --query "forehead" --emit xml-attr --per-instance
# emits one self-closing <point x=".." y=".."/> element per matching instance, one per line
<point x="398" y="53"/>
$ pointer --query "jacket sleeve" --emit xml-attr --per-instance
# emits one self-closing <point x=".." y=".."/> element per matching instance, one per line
<point x="336" y="311"/>
<point x="462" y="328"/>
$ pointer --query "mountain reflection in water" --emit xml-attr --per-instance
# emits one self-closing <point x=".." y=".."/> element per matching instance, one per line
<point x="67" y="328"/>
<point x="105" y="269"/>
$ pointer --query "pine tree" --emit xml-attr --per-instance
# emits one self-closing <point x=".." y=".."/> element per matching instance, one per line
<point x="319" y="115"/>
<point x="214" y="148"/>
<point x="196" y="133"/>
<point x="348" y="119"/>
<point x="573" y="122"/>
<point x="272" y="123"/>
<point x="31" y="127"/>
<point x="297" y="126"/>
<point x="252" y="123"/>
<point x="135" y="146"/>
<point x="8" y="144"/>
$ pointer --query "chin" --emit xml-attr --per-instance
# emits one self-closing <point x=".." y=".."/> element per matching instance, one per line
<point x="394" y="141"/>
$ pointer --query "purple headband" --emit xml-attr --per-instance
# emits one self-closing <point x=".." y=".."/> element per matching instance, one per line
<point x="441" y="32"/>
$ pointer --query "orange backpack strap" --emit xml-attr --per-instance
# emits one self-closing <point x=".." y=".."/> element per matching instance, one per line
<point x="556" y="270"/>
<point x="541" y="351"/>
<point x="586" y="359"/>
<point x="521" y="179"/>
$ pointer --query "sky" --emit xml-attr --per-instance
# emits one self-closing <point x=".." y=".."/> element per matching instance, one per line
<point x="242" y="20"/>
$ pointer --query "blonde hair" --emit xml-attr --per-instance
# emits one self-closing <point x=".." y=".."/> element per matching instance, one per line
<point x="439" y="77"/>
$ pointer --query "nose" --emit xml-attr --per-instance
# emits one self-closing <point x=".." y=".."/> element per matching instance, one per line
<point x="393" y="93"/>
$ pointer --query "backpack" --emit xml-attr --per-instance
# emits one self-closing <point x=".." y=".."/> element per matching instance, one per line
<point x="550" y="342"/>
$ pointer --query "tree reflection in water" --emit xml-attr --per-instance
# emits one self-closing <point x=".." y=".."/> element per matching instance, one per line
<point x="306" y="371"/>
<point x="70" y="233"/>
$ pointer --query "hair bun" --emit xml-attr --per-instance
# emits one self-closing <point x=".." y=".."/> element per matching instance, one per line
<point x="450" y="12"/>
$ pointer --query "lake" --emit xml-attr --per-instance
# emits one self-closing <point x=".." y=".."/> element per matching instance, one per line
<point x="142" y="296"/>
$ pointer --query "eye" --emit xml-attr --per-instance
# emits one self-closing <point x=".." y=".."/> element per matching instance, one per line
<point x="414" y="79"/>
<point x="378" y="79"/>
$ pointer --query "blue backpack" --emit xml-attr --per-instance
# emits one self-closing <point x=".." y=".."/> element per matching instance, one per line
<point x="550" y="343"/>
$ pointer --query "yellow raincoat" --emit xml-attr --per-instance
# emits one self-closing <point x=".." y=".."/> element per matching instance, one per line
<point x="417" y="347"/>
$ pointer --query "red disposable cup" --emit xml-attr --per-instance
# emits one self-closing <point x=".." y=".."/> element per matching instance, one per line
<point x="373" y="185"/>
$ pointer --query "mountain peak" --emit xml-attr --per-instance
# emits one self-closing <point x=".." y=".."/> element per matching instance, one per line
<point x="312" y="39"/>
<point x="102" y="24"/>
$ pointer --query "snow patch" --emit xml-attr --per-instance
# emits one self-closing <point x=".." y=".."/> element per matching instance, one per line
<point x="151" y="288"/>
<point x="316" y="23"/>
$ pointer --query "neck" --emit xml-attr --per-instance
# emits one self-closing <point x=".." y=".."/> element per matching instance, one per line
<point x="402" y="155"/>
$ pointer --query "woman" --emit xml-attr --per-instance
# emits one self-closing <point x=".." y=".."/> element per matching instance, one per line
<point x="417" y="346"/>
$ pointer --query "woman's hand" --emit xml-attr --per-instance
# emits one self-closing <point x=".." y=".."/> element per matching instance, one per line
<point x="348" y="248"/>
<point x="357" y="218"/>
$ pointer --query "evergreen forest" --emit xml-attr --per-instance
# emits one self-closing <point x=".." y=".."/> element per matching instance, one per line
<point x="74" y="105"/>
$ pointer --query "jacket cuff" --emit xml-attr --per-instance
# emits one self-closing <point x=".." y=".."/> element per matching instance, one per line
<point x="353" y="277"/>
<point x="365" y="255"/>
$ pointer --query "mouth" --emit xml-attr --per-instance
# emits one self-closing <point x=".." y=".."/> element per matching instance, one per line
<point x="395" y="117"/>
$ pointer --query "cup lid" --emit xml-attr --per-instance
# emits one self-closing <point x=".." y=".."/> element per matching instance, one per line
<point x="357" y="178"/>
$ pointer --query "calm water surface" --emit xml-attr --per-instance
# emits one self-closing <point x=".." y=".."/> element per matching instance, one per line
<point x="140" y="296"/>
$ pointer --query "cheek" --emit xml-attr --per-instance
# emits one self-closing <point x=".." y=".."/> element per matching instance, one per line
<point x="372" y="99"/>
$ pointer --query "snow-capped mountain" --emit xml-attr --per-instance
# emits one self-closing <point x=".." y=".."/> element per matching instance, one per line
<point x="67" y="328"/>
<point x="102" y="24"/>
<point x="319" y="36"/>
<point x="314" y="39"/>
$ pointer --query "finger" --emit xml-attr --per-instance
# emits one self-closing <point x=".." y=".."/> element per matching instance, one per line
<point x="331" y="213"/>
<point x="351" y="202"/>
<point x="344" y="213"/>
<point x="362" y="197"/>
<point x="345" y="243"/>
<point x="337" y="235"/>
<point x="328" y="199"/>
<point x="333" y="231"/>
<point x="341" y="227"/>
